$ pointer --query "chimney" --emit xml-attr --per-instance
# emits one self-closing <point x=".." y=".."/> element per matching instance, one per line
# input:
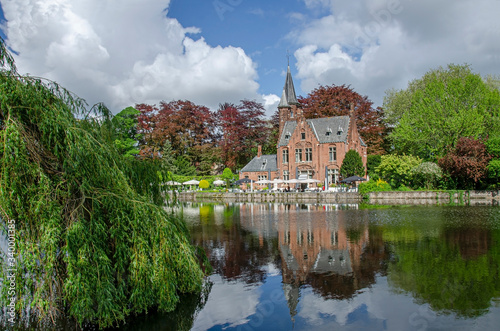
<point x="259" y="151"/>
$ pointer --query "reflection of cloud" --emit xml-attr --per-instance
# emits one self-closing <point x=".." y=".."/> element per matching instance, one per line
<point x="376" y="307"/>
<point x="271" y="270"/>
<point x="229" y="303"/>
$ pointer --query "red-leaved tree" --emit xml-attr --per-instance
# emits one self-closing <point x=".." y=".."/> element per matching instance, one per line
<point x="190" y="128"/>
<point x="326" y="101"/>
<point x="242" y="129"/>
<point x="467" y="163"/>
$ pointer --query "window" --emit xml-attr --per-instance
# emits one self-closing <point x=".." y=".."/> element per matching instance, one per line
<point x="262" y="177"/>
<point x="285" y="156"/>
<point x="328" y="131"/>
<point x="298" y="155"/>
<point x="308" y="173"/>
<point x="333" y="154"/>
<point x="286" y="175"/>
<point x="263" y="165"/>
<point x="309" y="154"/>
<point x="303" y="135"/>
<point x="287" y="135"/>
<point x="333" y="175"/>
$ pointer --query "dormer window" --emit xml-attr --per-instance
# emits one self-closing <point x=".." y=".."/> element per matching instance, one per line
<point x="287" y="135"/>
<point x="263" y="166"/>
<point x="339" y="131"/>
<point x="328" y="132"/>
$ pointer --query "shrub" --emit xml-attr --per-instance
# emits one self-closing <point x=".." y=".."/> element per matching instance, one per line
<point x="374" y="186"/>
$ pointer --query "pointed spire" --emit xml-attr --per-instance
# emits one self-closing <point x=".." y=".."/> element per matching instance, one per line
<point x="283" y="102"/>
<point x="291" y="98"/>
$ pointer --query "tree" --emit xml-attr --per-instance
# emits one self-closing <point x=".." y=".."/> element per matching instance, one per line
<point x="372" y="162"/>
<point x="87" y="243"/>
<point x="396" y="169"/>
<point x="334" y="100"/>
<point x="227" y="176"/>
<point x="467" y="163"/>
<point x="352" y="165"/>
<point x="426" y="174"/>
<point x="438" y="109"/>
<point x="187" y="126"/>
<point x="493" y="148"/>
<point x="126" y="136"/>
<point x="243" y="127"/>
<point x="184" y="167"/>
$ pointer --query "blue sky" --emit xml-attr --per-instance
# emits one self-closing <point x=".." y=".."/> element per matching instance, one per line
<point x="215" y="51"/>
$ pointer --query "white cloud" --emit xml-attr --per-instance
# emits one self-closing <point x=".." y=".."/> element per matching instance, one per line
<point x="377" y="45"/>
<point x="229" y="303"/>
<point x="124" y="53"/>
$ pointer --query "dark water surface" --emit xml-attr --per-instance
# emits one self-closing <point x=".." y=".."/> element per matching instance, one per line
<point x="341" y="267"/>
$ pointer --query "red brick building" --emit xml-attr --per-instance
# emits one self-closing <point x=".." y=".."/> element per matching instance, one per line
<point x="307" y="147"/>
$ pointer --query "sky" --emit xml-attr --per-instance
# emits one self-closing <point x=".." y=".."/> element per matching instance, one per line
<point x="124" y="52"/>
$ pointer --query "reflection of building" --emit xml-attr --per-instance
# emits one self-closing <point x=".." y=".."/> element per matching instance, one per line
<point x="314" y="148"/>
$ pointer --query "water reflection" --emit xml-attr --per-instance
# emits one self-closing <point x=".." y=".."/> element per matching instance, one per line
<point x="323" y="267"/>
<point x="331" y="264"/>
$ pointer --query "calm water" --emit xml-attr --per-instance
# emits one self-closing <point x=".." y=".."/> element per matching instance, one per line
<point x="342" y="267"/>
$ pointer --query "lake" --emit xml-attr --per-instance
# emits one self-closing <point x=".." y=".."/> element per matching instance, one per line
<point x="341" y="267"/>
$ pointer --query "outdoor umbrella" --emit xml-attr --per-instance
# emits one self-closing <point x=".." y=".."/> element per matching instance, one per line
<point x="191" y="182"/>
<point x="310" y="181"/>
<point x="172" y="183"/>
<point x="293" y="181"/>
<point x="243" y="181"/>
<point x="262" y="181"/>
<point x="353" y="179"/>
<point x="218" y="182"/>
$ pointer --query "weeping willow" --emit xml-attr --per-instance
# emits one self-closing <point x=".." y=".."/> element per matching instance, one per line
<point x="90" y="240"/>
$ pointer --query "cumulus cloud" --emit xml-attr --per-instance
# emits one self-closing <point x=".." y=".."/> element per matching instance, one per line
<point x="380" y="44"/>
<point x="125" y="52"/>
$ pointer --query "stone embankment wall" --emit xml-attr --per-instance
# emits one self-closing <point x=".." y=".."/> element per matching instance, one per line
<point x="304" y="197"/>
<point x="472" y="198"/>
<point x="376" y="198"/>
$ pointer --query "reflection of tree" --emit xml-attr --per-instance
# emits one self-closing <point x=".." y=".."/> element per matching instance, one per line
<point x="181" y="319"/>
<point x="232" y="251"/>
<point x="456" y="272"/>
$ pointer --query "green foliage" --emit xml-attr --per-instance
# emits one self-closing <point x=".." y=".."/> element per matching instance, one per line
<point x="494" y="172"/>
<point x="372" y="162"/>
<point x="493" y="146"/>
<point x="396" y="169"/>
<point x="374" y="186"/>
<point x="204" y="184"/>
<point x="184" y="167"/>
<point x="125" y="130"/>
<point x="427" y="175"/>
<point x="439" y="108"/>
<point x="352" y="165"/>
<point x="228" y="176"/>
<point x="87" y="242"/>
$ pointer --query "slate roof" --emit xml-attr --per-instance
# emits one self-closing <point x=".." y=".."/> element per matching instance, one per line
<point x="330" y="129"/>
<point x="288" y="129"/>
<point x="326" y="129"/>
<point x="263" y="163"/>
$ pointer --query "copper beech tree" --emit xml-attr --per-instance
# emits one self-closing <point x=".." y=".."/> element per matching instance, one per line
<point x="326" y="101"/>
<point x="190" y="128"/>
<point x="242" y="128"/>
<point x="467" y="162"/>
